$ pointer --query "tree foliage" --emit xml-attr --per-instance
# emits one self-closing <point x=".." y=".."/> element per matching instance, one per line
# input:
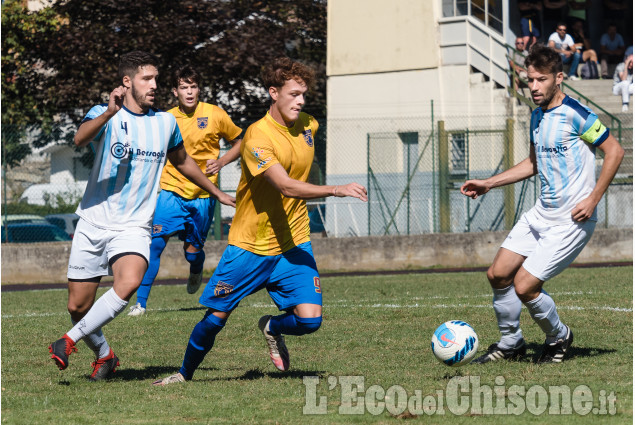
<point x="24" y="101"/>
<point x="61" y="60"/>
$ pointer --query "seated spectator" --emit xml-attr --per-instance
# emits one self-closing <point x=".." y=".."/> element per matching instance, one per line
<point x="623" y="81"/>
<point x="617" y="12"/>
<point x="583" y="46"/>
<point x="611" y="49"/>
<point x="577" y="11"/>
<point x="517" y="60"/>
<point x="562" y="43"/>
<point x="553" y="11"/>
<point x="529" y="18"/>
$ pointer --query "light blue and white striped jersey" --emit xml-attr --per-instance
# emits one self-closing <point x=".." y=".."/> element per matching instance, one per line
<point x="564" y="139"/>
<point x="130" y="154"/>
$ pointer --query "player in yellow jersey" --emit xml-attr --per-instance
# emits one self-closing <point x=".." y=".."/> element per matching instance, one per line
<point x="269" y="246"/>
<point x="183" y="209"/>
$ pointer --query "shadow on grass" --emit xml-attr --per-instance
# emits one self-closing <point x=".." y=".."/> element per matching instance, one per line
<point x="148" y="373"/>
<point x="572" y="353"/>
<point x="201" y="308"/>
<point x="533" y="353"/>
<point x="255" y="374"/>
<point x="152" y="373"/>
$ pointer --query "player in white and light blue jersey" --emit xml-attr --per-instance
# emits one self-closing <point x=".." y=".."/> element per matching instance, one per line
<point x="564" y="136"/>
<point x="564" y="139"/>
<point x="131" y="152"/>
<point x="112" y="237"/>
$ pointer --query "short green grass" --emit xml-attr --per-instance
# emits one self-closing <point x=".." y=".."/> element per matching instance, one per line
<point x="375" y="327"/>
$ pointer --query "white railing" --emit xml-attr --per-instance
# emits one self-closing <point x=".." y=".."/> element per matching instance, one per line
<point x="465" y="40"/>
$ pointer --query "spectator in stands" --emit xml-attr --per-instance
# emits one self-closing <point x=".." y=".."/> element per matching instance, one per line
<point x="615" y="12"/>
<point x="583" y="46"/>
<point x="611" y="49"/>
<point x="517" y="59"/>
<point x="553" y="11"/>
<point x="577" y="11"/>
<point x="623" y="81"/>
<point x="563" y="43"/>
<point x="529" y="18"/>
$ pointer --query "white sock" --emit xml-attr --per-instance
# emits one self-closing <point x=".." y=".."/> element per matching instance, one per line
<point x="543" y="311"/>
<point x="507" y="307"/>
<point x="97" y="342"/>
<point x="106" y="308"/>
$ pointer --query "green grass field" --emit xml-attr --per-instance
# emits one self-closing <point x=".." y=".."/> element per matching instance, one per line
<point x="376" y="331"/>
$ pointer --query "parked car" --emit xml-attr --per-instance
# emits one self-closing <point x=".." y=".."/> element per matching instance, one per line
<point x="33" y="232"/>
<point x="66" y="222"/>
<point x="21" y="218"/>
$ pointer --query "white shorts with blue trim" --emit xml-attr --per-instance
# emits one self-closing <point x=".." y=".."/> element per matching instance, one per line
<point x="549" y="248"/>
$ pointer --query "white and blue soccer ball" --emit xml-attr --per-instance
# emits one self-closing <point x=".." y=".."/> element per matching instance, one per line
<point x="454" y="343"/>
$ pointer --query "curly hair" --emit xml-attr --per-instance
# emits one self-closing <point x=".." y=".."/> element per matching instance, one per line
<point x="130" y="63"/>
<point x="283" y="69"/>
<point x="544" y="59"/>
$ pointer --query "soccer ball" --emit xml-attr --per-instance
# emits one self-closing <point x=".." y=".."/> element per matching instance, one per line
<point x="454" y="343"/>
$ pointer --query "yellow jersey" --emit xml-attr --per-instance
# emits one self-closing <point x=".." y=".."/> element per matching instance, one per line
<point x="201" y="131"/>
<point x="266" y="222"/>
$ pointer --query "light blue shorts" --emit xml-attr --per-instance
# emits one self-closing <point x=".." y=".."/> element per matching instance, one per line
<point x="189" y="219"/>
<point x="291" y="278"/>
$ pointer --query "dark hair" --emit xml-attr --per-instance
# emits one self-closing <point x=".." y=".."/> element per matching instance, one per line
<point x="282" y="69"/>
<point x="187" y="74"/>
<point x="130" y="63"/>
<point x="544" y="59"/>
<point x="562" y="24"/>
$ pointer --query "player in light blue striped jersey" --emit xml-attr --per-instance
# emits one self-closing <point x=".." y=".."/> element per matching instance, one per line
<point x="564" y="136"/>
<point x="132" y="141"/>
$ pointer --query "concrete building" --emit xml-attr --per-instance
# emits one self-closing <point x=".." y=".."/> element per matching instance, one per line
<point x="418" y="101"/>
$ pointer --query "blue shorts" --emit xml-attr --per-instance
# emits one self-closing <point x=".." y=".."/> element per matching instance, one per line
<point x="528" y="27"/>
<point x="291" y="278"/>
<point x="190" y="219"/>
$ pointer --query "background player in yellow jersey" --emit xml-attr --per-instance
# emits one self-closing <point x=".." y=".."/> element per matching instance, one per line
<point x="269" y="246"/>
<point x="183" y="208"/>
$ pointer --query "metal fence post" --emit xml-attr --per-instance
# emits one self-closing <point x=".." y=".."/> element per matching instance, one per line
<point x="217" y="217"/>
<point x="368" y="178"/>
<point x="444" y="180"/>
<point x="508" y="161"/>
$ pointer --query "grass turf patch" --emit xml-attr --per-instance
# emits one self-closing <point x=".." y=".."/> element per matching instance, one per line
<point x="376" y="331"/>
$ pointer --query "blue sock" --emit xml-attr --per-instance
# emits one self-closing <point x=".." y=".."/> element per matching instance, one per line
<point x="201" y="341"/>
<point x="196" y="260"/>
<point x="156" y="248"/>
<point x="290" y="324"/>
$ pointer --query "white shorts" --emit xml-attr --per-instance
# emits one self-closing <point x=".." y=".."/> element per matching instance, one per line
<point x="93" y="248"/>
<point x="549" y="248"/>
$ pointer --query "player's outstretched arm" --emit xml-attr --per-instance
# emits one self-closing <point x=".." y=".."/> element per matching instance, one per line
<point x="520" y="171"/>
<point x="213" y="166"/>
<point x="613" y="154"/>
<point x="277" y="176"/>
<point x="188" y="167"/>
<point x="89" y="129"/>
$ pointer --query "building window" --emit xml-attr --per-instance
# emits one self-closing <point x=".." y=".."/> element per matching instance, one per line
<point x="80" y="172"/>
<point x="458" y="158"/>
<point x="490" y="12"/>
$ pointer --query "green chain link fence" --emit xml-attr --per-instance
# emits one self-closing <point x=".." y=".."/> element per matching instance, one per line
<point x="416" y="165"/>
<point x="413" y="168"/>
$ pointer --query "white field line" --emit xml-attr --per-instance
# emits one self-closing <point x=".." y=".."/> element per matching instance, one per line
<point x="353" y="304"/>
